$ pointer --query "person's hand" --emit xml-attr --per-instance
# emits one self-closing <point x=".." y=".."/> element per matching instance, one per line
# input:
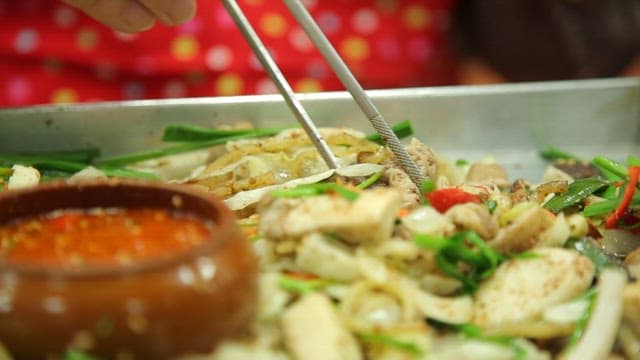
<point x="136" y="15"/>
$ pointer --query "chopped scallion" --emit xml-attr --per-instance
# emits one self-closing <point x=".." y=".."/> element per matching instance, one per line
<point x="370" y="181"/>
<point x="553" y="153"/>
<point x="402" y="130"/>
<point x="391" y="341"/>
<point x="192" y="133"/>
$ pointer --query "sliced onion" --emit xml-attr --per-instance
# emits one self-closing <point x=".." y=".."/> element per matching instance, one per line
<point x="601" y="331"/>
<point x="619" y="242"/>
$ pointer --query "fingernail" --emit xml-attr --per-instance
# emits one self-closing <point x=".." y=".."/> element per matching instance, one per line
<point x="137" y="17"/>
<point x="180" y="11"/>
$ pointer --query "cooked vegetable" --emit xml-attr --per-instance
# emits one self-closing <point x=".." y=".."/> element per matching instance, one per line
<point x="443" y="199"/>
<point x="627" y="197"/>
<point x="391" y="341"/>
<point x="314" y="190"/>
<point x="578" y="191"/>
<point x="591" y="249"/>
<point x="191" y="133"/>
<point x="481" y="261"/>
<point x="581" y="325"/>
<point x="402" y="130"/>
<point x="553" y="153"/>
<point x="370" y="181"/>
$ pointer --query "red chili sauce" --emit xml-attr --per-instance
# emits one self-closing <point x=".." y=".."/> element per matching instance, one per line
<point x="101" y="236"/>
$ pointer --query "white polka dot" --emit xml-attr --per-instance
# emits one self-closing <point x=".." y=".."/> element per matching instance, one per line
<point x="26" y="41"/>
<point x="126" y="37"/>
<point x="365" y="21"/>
<point x="133" y="90"/>
<point x="329" y="22"/>
<point x="219" y="58"/>
<point x="299" y="39"/>
<point x="64" y="17"/>
<point x="316" y="69"/>
<point x="266" y="86"/>
<point x="175" y="89"/>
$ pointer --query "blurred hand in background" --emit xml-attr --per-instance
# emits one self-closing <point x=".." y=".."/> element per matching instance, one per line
<point x="136" y="15"/>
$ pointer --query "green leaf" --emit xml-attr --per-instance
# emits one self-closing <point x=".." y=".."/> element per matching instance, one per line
<point x="577" y="192"/>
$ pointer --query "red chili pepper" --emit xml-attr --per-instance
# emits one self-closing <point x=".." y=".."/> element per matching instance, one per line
<point x="444" y="199"/>
<point x="613" y="219"/>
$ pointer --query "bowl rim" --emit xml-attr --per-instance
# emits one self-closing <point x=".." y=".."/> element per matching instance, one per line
<point x="225" y="229"/>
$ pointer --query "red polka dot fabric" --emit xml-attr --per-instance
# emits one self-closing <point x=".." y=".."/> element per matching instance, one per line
<point x="53" y="53"/>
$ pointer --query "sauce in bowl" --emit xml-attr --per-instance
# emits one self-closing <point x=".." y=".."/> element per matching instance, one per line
<point x="101" y="236"/>
<point x="121" y="269"/>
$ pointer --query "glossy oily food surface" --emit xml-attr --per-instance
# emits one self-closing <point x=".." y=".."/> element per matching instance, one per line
<point x="101" y="236"/>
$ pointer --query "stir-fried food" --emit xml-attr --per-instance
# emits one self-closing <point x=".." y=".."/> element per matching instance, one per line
<point x="360" y="263"/>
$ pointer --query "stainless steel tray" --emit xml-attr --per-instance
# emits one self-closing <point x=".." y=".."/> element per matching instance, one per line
<point x="511" y="122"/>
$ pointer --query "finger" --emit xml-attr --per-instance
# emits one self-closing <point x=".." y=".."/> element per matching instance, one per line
<point x="121" y="15"/>
<point x="171" y="12"/>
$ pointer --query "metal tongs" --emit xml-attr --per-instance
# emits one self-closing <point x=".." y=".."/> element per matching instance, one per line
<point x="343" y="73"/>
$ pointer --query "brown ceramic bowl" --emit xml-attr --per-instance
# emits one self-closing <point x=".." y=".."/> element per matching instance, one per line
<point x="155" y="309"/>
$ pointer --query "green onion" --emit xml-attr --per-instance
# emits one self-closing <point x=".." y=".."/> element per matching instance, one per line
<point x="42" y="163"/>
<point x="315" y="190"/>
<point x="128" y="173"/>
<point x="591" y="249"/>
<point x="473" y="332"/>
<point x="553" y="153"/>
<point x="191" y="133"/>
<point x="427" y="186"/>
<point x="432" y="242"/>
<point x="610" y="167"/>
<point x="491" y="205"/>
<point x="84" y="156"/>
<point x="402" y="130"/>
<point x="581" y="324"/>
<point x="370" y="181"/>
<point x="390" y="341"/>
<point x="461" y="162"/>
<point x="466" y="247"/>
<point x="633" y="161"/>
<point x="302" y="286"/>
<point x="578" y="191"/>
<point x="78" y="355"/>
<point x="152" y="154"/>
